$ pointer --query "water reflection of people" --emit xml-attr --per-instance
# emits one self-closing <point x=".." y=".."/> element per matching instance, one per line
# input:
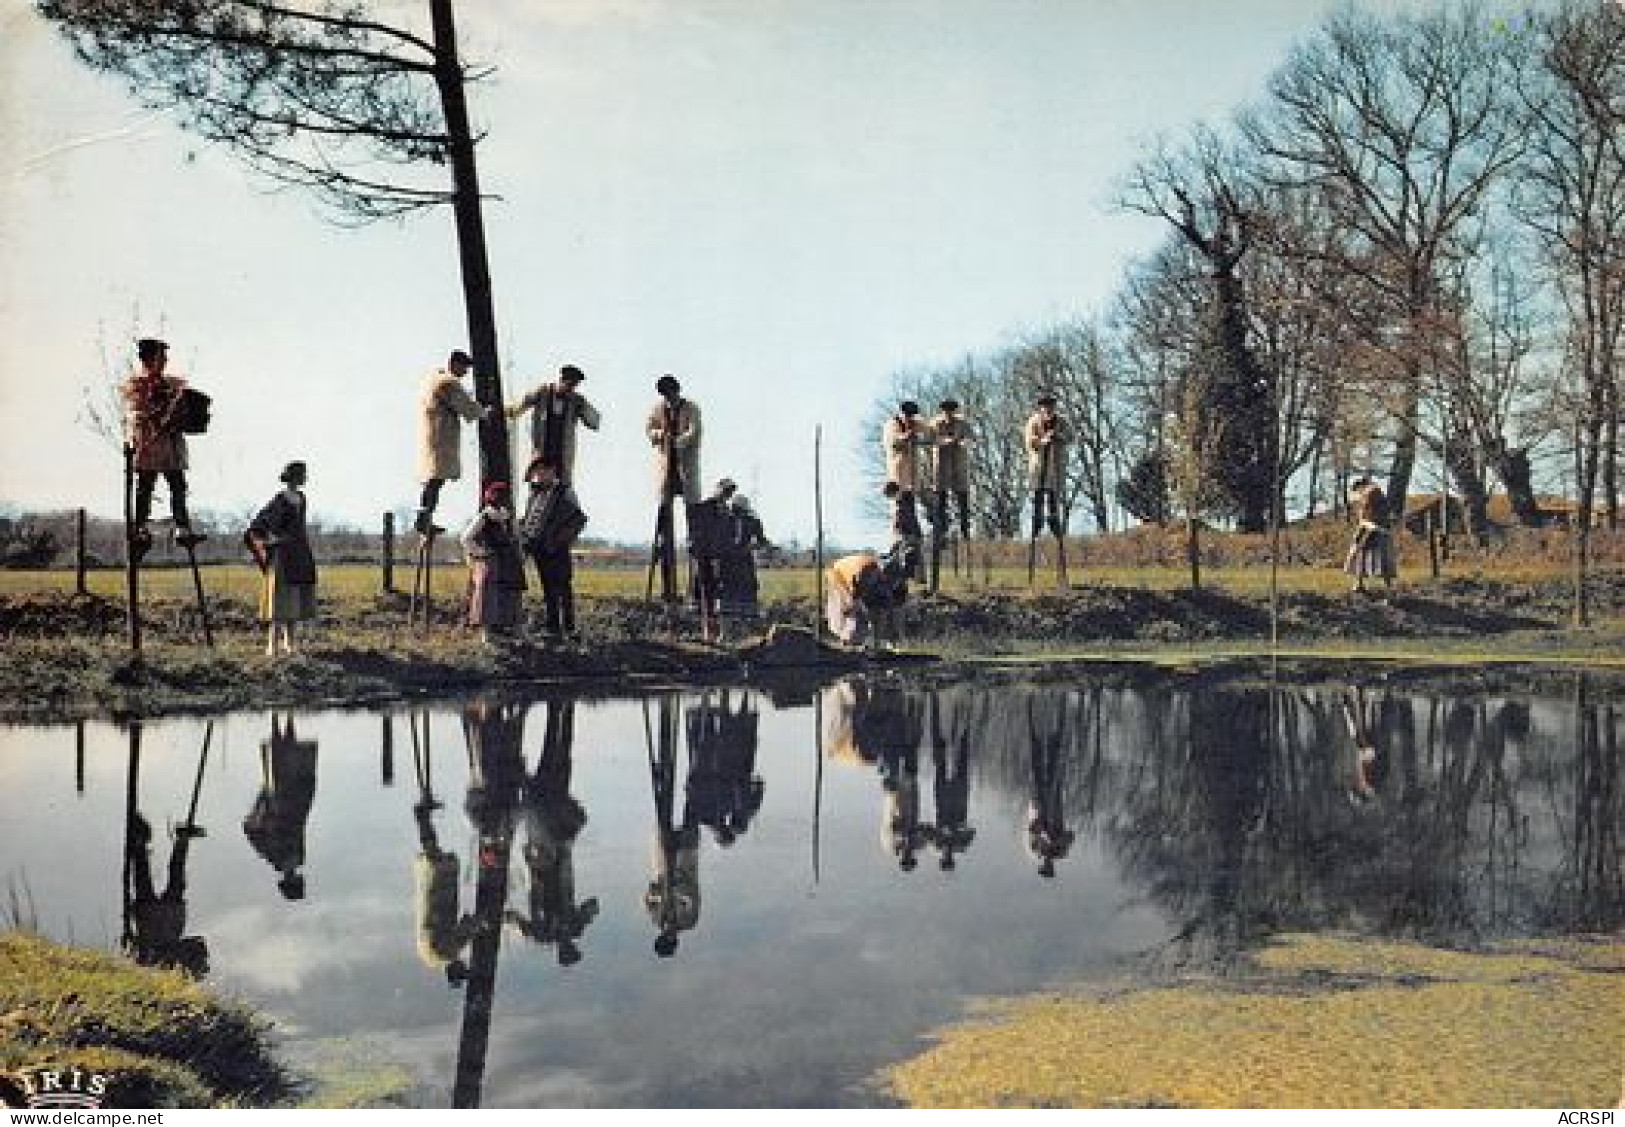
<point x="155" y="922"/>
<point x="1048" y="838"/>
<point x="950" y="784"/>
<point x="494" y="732"/>
<point x="673" y="896"/>
<point x="887" y="729"/>
<point x="1368" y="763"/>
<point x="275" y="826"/>
<point x="442" y="930"/>
<point x="553" y="819"/>
<point x="723" y="792"/>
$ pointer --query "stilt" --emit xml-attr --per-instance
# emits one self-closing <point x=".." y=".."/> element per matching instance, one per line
<point x="197" y="586"/>
<point x="422" y="582"/>
<point x="663" y="555"/>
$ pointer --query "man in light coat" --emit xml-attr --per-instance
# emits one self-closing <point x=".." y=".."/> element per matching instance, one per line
<point x="444" y="407"/>
<point x="673" y="428"/>
<point x="555" y="409"/>
<point x="1047" y="437"/>
<point x="904" y="438"/>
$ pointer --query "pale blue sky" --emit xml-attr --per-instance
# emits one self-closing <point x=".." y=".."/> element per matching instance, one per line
<point x="780" y="201"/>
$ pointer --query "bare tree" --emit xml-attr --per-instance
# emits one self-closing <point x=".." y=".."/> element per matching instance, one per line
<point x="1155" y="345"/>
<point x="1572" y="194"/>
<point x="324" y="95"/>
<point x="1404" y="125"/>
<point x="1201" y="192"/>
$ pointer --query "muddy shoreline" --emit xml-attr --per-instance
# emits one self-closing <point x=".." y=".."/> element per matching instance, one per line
<point x="65" y="656"/>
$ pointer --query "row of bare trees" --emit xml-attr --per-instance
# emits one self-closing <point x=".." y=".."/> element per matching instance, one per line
<point x="1406" y="253"/>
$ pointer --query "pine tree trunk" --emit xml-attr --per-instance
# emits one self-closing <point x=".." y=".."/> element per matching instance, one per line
<point x="471" y="249"/>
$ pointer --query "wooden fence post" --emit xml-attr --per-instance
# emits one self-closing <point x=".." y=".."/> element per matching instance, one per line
<point x="389" y="553"/>
<point x="79" y="552"/>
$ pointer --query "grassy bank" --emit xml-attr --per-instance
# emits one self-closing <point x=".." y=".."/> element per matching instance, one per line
<point x="65" y="654"/>
<point x="1314" y="1022"/>
<point x="161" y="1039"/>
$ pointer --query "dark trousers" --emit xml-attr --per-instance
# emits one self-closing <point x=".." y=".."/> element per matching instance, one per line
<point x="176" y="481"/>
<point x="556" y="572"/>
<point x="431" y="494"/>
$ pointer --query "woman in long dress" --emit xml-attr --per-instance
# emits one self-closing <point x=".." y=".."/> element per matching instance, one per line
<point x="1371" y="555"/>
<point x="496" y="569"/>
<point x="280" y="543"/>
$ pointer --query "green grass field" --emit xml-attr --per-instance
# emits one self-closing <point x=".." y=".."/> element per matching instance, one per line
<point x="345" y="582"/>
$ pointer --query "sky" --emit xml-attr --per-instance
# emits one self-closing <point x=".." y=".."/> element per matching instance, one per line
<point x="781" y="202"/>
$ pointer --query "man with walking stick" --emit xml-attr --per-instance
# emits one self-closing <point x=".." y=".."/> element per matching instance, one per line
<point x="673" y="428"/>
<point x="1047" y="437"/>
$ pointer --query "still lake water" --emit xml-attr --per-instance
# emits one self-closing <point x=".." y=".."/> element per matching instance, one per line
<point x="723" y="898"/>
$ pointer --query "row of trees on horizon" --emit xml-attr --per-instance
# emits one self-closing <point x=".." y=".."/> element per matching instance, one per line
<point x="1402" y="261"/>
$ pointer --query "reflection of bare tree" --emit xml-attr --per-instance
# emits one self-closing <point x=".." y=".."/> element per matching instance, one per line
<point x="1590" y="890"/>
<point x="1231" y="806"/>
<point x="494" y="732"/>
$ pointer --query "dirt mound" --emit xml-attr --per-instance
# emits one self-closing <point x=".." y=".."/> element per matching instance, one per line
<point x="51" y="615"/>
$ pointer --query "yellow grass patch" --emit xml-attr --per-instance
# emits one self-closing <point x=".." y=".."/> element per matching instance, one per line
<point x="1325" y="1022"/>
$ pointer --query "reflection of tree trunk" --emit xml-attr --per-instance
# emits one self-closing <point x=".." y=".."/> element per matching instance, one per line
<point x="490" y="895"/>
<point x="1595" y="860"/>
<point x="497" y="765"/>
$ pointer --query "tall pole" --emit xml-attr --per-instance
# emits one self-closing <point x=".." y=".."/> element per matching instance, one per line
<point x="79" y="552"/>
<point x="471" y="249"/>
<point x="818" y="527"/>
<point x="132" y="566"/>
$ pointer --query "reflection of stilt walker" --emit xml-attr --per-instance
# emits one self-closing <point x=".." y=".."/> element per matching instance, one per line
<point x="673" y="896"/>
<point x="1048" y="838"/>
<point x="950" y="787"/>
<point x="442" y="930"/>
<point x="154" y="930"/>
